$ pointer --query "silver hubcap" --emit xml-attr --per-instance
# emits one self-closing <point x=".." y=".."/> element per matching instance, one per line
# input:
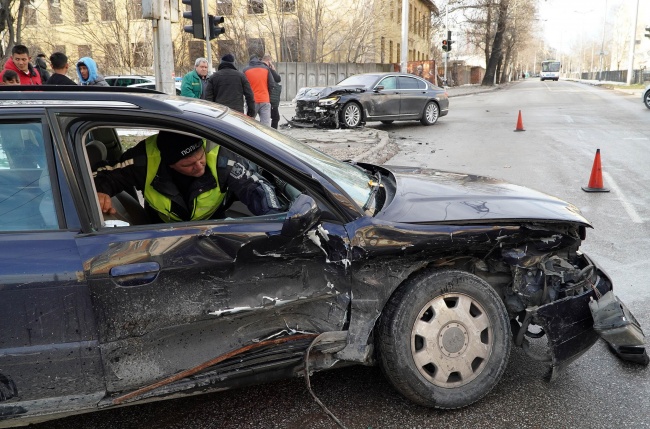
<point x="352" y="115"/>
<point x="451" y="340"/>
<point x="431" y="113"/>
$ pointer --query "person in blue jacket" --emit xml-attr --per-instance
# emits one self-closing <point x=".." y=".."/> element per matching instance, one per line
<point x="88" y="74"/>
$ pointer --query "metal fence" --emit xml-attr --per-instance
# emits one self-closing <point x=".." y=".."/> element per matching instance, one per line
<point x="298" y="75"/>
<point x="638" y="76"/>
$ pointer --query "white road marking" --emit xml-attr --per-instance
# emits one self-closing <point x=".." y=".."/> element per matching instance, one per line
<point x="635" y="138"/>
<point x="626" y="204"/>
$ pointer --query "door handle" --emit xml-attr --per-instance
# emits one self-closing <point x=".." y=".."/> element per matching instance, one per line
<point x="135" y="274"/>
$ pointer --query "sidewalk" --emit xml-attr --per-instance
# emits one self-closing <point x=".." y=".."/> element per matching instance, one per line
<point x="359" y="144"/>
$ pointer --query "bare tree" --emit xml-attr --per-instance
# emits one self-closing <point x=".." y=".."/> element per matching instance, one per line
<point x="11" y="23"/>
<point x="113" y="32"/>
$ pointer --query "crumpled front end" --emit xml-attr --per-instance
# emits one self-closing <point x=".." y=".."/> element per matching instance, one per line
<point x="311" y="113"/>
<point x="566" y="297"/>
<point x="320" y="107"/>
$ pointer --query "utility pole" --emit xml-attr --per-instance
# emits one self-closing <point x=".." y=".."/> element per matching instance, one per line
<point x="405" y="36"/>
<point x="630" y="67"/>
<point x="161" y="13"/>
<point x="602" y="45"/>
<point x="208" y="42"/>
<point x="446" y="54"/>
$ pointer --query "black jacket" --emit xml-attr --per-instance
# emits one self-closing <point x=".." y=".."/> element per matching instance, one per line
<point x="236" y="176"/>
<point x="41" y="66"/>
<point x="59" y="79"/>
<point x="229" y="86"/>
<point x="275" y="93"/>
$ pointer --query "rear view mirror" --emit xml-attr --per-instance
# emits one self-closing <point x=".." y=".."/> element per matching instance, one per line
<point x="379" y="88"/>
<point x="302" y="215"/>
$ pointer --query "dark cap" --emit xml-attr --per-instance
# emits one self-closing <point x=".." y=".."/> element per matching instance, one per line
<point x="173" y="147"/>
<point x="229" y="58"/>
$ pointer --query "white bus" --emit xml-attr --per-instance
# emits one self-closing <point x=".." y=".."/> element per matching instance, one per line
<point x="550" y="70"/>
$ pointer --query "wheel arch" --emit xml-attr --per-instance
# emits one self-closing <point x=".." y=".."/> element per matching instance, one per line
<point x="362" y="326"/>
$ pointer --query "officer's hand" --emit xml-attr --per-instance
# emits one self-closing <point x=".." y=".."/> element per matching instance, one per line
<point x="105" y="203"/>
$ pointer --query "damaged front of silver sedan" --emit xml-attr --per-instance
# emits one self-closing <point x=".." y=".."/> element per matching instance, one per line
<point x="321" y="107"/>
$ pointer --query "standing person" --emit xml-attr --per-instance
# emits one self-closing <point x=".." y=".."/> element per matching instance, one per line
<point x="19" y="62"/>
<point x="10" y="77"/>
<point x="60" y="65"/>
<point x="41" y="65"/>
<point x="87" y="73"/>
<point x="276" y="91"/>
<point x="262" y="83"/>
<point x="194" y="82"/>
<point x="229" y="86"/>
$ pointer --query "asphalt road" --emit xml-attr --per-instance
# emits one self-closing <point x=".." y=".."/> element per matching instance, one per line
<point x="565" y="123"/>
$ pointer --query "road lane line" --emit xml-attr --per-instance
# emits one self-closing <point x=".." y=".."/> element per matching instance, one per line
<point x="626" y="204"/>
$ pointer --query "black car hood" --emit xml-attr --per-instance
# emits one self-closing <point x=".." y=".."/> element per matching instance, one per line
<point x="425" y="196"/>
<point x="316" y="93"/>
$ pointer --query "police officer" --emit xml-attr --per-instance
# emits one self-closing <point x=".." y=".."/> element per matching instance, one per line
<point x="185" y="178"/>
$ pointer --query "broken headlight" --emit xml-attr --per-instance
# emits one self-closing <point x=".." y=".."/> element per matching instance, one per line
<point x="328" y="101"/>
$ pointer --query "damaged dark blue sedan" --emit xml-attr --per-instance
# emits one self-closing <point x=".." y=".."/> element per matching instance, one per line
<point x="432" y="275"/>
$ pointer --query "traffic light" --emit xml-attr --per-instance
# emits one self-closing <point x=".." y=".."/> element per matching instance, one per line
<point x="196" y="15"/>
<point x="215" y="30"/>
<point x="445" y="45"/>
<point x="647" y="32"/>
<point x="449" y="41"/>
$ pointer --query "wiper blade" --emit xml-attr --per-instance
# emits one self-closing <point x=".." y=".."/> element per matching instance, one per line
<point x="375" y="185"/>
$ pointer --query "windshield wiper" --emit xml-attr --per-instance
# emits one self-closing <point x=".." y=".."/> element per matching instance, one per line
<point x="375" y="186"/>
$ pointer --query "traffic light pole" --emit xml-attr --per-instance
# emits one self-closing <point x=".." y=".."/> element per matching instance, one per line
<point x="208" y="42"/>
<point x="162" y="44"/>
<point x="446" y="54"/>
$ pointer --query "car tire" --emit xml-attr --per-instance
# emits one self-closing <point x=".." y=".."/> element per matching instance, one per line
<point x="351" y="115"/>
<point x="387" y="122"/>
<point x="430" y="114"/>
<point x="444" y="339"/>
<point x="646" y="99"/>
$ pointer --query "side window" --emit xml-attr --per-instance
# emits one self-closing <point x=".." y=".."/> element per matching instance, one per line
<point x="408" y="83"/>
<point x="214" y="182"/>
<point x="26" y="200"/>
<point x="389" y="82"/>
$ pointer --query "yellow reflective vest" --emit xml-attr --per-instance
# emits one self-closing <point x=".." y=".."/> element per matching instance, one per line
<point x="204" y="205"/>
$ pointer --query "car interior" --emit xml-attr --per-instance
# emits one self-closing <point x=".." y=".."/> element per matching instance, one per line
<point x="104" y="147"/>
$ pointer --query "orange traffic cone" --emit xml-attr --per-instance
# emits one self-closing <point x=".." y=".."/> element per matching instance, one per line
<point x="596" y="179"/>
<point x="520" y="124"/>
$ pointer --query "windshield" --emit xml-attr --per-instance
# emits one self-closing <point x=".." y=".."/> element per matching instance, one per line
<point x="551" y="66"/>
<point x="352" y="180"/>
<point x="366" y="80"/>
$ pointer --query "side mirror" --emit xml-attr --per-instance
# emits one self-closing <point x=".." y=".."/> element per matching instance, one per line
<point x="379" y="88"/>
<point x="303" y="214"/>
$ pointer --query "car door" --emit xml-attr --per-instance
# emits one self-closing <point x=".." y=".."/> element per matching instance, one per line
<point x="413" y="93"/>
<point x="385" y="102"/>
<point x="169" y="297"/>
<point x="49" y="349"/>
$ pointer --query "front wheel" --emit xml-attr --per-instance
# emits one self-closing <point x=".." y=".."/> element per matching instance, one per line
<point x="646" y="99"/>
<point x="430" y="114"/>
<point x="351" y="115"/>
<point x="444" y="339"/>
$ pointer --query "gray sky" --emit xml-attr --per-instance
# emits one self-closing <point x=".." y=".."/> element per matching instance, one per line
<point x="566" y="20"/>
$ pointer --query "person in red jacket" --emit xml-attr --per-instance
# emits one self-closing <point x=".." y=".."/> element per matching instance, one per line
<point x="19" y="62"/>
<point x="262" y="83"/>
